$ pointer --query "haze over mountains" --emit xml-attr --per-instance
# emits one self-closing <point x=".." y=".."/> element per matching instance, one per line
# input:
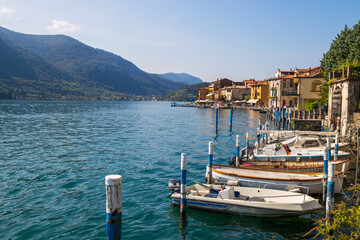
<point x="52" y="66"/>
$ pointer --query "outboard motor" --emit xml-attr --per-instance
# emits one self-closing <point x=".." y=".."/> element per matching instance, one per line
<point x="232" y="160"/>
<point x="174" y="185"/>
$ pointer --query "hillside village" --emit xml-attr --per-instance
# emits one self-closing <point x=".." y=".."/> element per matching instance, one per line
<point x="292" y="88"/>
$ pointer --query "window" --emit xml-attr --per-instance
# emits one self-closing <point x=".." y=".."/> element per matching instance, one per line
<point x="316" y="86"/>
<point x="284" y="102"/>
<point x="290" y="103"/>
<point x="291" y="82"/>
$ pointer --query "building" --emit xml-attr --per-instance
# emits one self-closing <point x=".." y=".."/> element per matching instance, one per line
<point x="259" y="93"/>
<point x="230" y="94"/>
<point x="295" y="88"/>
<point x="309" y="86"/>
<point x="202" y="92"/>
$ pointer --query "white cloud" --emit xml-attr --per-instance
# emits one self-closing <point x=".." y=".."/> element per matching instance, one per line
<point x="4" y="11"/>
<point x="63" y="26"/>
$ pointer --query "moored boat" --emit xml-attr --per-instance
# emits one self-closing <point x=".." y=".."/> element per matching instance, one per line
<point x="271" y="178"/>
<point x="248" y="201"/>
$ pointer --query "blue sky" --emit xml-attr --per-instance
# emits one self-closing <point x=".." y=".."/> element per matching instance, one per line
<point x="208" y="39"/>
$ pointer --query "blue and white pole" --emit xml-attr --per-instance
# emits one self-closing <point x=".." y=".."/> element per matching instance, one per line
<point x="113" y="207"/>
<point x="332" y="128"/>
<point x="210" y="164"/>
<point x="247" y="146"/>
<point x="183" y="185"/>
<point x="336" y="150"/>
<point x="289" y="119"/>
<point x="231" y="117"/>
<point x="330" y="194"/>
<point x="322" y="125"/>
<point x="237" y="150"/>
<point x="216" y="118"/>
<point x="325" y="173"/>
<point x="283" y="119"/>
<point x="262" y="134"/>
<point x="329" y="148"/>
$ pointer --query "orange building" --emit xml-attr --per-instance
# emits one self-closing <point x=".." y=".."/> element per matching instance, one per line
<point x="259" y="93"/>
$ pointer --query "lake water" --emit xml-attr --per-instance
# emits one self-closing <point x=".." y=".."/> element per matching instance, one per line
<point x="55" y="155"/>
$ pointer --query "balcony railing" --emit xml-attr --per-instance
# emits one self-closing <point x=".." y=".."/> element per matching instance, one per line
<point x="290" y="93"/>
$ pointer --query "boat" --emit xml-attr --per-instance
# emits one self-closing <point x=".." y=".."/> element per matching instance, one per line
<point x="272" y="178"/>
<point x="303" y="166"/>
<point x="303" y="149"/>
<point x="259" y="202"/>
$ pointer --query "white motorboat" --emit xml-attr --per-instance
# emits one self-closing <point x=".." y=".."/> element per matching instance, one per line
<point x="248" y="201"/>
<point x="271" y="178"/>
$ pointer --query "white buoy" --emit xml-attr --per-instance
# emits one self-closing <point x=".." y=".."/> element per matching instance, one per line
<point x="113" y="206"/>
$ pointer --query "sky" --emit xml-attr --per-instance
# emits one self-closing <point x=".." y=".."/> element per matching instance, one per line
<point x="209" y="39"/>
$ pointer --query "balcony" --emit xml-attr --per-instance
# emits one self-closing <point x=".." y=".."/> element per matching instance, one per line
<point x="290" y="93"/>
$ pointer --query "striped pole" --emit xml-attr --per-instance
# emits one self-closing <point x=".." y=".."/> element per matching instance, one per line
<point x="113" y="207"/>
<point x="332" y="128"/>
<point x="289" y="119"/>
<point x="247" y="146"/>
<point x="336" y="150"/>
<point x="330" y="194"/>
<point x="210" y="164"/>
<point x="283" y="119"/>
<point x="183" y="185"/>
<point x="260" y="128"/>
<point x="322" y="125"/>
<point x="216" y="118"/>
<point x="231" y="116"/>
<point x="237" y="150"/>
<point x="325" y="173"/>
<point x="329" y="148"/>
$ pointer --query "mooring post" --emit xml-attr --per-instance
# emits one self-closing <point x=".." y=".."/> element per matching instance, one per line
<point x="286" y="118"/>
<point x="325" y="173"/>
<point x="336" y="150"/>
<point x="216" y="118"/>
<point x="247" y="146"/>
<point x="209" y="179"/>
<point x="258" y="135"/>
<point x="183" y="185"/>
<point x="330" y="194"/>
<point x="283" y="118"/>
<point x="231" y="116"/>
<point x="113" y="206"/>
<point x="332" y="128"/>
<point x="237" y="163"/>
<point x="322" y="125"/>
<point x="289" y="119"/>
<point x="262" y="134"/>
<point x="329" y="148"/>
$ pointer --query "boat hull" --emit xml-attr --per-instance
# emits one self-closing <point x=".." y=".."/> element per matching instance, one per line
<point x="273" y="203"/>
<point x="268" y="179"/>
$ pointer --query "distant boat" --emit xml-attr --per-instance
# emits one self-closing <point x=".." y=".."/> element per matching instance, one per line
<point x="248" y="201"/>
<point x="272" y="178"/>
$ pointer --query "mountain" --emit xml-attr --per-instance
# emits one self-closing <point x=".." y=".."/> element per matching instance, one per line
<point x="188" y="93"/>
<point x="83" y="65"/>
<point x="181" y="77"/>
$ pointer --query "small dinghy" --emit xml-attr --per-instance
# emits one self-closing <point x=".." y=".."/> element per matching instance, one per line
<point x="247" y="201"/>
<point x="271" y="178"/>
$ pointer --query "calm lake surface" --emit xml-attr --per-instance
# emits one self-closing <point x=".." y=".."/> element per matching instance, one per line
<point x="54" y="157"/>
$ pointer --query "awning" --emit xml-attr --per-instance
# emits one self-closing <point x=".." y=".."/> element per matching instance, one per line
<point x="253" y="100"/>
<point x="210" y="94"/>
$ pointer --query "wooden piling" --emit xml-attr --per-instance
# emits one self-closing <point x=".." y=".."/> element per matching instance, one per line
<point x="113" y="207"/>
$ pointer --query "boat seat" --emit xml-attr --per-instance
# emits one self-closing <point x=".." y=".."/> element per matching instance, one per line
<point x="241" y="197"/>
<point x="212" y="194"/>
<point x="257" y="199"/>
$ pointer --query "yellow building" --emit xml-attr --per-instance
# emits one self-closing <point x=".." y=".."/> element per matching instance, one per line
<point x="309" y="85"/>
<point x="259" y="93"/>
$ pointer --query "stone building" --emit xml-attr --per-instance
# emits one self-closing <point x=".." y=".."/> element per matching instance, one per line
<point x="344" y="94"/>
